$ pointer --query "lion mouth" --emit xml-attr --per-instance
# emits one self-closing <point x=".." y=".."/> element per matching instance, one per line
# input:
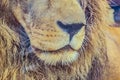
<point x="58" y="44"/>
<point x="67" y="47"/>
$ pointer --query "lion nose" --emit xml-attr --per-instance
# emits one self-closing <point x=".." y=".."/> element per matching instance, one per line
<point x="71" y="29"/>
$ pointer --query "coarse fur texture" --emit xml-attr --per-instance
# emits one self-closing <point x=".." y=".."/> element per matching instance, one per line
<point x="56" y="55"/>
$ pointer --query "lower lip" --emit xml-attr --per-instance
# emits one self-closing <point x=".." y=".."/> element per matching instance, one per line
<point x="61" y="49"/>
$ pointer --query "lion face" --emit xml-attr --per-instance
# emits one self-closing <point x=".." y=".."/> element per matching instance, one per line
<point x="56" y="28"/>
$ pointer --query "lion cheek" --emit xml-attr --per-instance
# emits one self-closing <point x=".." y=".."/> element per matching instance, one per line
<point x="49" y="45"/>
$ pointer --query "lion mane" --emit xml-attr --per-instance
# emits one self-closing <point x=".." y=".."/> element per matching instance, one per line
<point x="93" y="61"/>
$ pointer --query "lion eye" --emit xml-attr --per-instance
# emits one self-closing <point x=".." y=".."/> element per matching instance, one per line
<point x="71" y="29"/>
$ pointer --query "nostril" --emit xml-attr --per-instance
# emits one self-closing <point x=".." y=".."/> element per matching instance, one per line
<point x="72" y="29"/>
<point x="63" y="26"/>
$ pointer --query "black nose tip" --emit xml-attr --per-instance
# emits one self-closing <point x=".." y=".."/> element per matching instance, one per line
<point x="72" y="29"/>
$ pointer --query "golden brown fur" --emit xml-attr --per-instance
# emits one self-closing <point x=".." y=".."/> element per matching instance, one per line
<point x="97" y="58"/>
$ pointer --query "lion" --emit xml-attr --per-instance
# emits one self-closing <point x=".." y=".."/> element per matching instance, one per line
<point x="58" y="40"/>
